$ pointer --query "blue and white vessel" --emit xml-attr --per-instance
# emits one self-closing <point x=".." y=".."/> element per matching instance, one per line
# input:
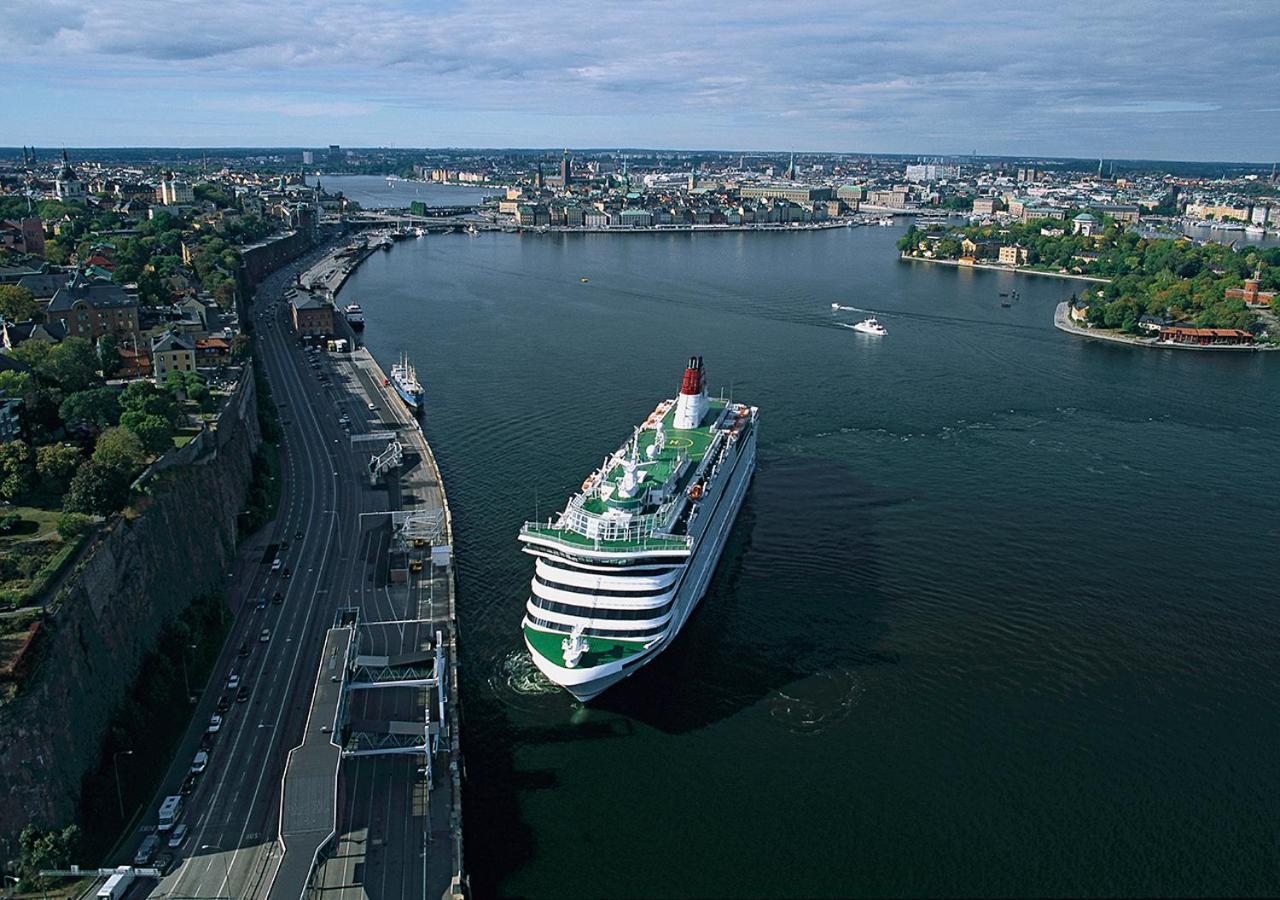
<point x="405" y="381"/>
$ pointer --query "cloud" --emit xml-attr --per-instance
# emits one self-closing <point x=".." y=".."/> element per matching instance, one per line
<point x="825" y="74"/>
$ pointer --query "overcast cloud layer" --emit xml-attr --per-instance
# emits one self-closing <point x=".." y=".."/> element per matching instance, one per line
<point x="1174" y="79"/>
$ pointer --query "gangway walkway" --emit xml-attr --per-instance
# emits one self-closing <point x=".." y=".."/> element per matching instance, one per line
<point x="308" y="810"/>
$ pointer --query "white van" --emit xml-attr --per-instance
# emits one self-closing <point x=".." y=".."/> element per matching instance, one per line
<point x="275" y="566"/>
<point x="170" y="809"/>
<point x="179" y="835"/>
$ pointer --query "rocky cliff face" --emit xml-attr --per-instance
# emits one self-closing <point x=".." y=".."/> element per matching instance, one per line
<point x="140" y="574"/>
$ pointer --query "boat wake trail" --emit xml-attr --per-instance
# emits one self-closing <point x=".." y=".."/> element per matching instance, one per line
<point x="516" y="673"/>
<point x="814" y="704"/>
<point x="838" y="308"/>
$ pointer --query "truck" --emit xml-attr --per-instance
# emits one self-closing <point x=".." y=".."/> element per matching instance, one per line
<point x="170" y="809"/>
<point x="117" y="885"/>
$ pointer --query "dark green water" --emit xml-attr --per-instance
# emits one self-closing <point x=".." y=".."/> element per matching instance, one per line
<point x="999" y="615"/>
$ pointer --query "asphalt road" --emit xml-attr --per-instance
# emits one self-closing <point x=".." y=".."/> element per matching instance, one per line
<point x="336" y="558"/>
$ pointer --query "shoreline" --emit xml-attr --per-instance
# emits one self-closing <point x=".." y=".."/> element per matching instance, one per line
<point x="1062" y="323"/>
<point x="1020" y="270"/>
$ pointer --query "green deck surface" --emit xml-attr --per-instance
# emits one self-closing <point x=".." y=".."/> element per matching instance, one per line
<point x="603" y="650"/>
<point x="690" y="442"/>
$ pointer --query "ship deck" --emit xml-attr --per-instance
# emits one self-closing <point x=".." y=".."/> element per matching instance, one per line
<point x="692" y="442"/>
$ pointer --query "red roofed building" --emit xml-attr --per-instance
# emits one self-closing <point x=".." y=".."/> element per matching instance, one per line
<point x="1205" y="337"/>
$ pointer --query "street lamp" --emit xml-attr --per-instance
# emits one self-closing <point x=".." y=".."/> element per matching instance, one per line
<point x="226" y="865"/>
<point x="186" y="682"/>
<point x="115" y="765"/>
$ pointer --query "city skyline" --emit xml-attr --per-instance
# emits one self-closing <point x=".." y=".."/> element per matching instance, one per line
<point x="1133" y="82"/>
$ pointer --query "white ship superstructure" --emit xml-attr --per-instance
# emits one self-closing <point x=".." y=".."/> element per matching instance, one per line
<point x="620" y="569"/>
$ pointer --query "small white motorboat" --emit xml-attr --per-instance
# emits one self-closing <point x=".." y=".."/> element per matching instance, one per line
<point x="870" y="326"/>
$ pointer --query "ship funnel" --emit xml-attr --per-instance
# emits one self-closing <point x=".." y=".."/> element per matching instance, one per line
<point x="691" y="405"/>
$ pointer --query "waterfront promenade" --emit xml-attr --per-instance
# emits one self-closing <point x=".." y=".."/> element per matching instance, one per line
<point x="1063" y="323"/>
<point x="992" y="267"/>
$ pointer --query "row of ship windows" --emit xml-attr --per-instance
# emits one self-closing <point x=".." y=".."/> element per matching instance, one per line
<point x="603" y="592"/>
<point x="599" y="612"/>
<point x="630" y="565"/>
<point x="600" y="632"/>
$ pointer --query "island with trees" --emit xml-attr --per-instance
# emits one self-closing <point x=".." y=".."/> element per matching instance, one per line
<point x="1149" y="289"/>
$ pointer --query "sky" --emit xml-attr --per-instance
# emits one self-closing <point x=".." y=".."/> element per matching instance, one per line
<point x="1155" y="79"/>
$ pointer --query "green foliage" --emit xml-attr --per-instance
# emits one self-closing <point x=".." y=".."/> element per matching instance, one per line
<point x="72" y="525"/>
<point x="17" y="304"/>
<point x="14" y="383"/>
<point x="39" y="849"/>
<point x="108" y="355"/>
<point x="1149" y="276"/>
<point x="57" y="462"/>
<point x="9" y="522"/>
<point x="175" y="383"/>
<point x="155" y="432"/>
<point x="98" y="489"/>
<point x="145" y="397"/>
<point x="71" y="365"/>
<point x="17" y="469"/>
<point x="95" y="408"/>
<point x="120" y="448"/>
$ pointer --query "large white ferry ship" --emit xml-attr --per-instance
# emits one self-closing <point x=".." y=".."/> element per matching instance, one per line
<point x="618" y="572"/>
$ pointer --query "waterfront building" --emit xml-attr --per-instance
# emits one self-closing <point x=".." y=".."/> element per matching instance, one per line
<point x="312" y="317"/>
<point x="1012" y="255"/>
<point x="986" y="206"/>
<point x="1205" y="337"/>
<point x="790" y="192"/>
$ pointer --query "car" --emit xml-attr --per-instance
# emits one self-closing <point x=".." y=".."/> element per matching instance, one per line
<point x="179" y="835"/>
<point x="243" y="651"/>
<point x="277" y="598"/>
<point x="243" y="694"/>
<point x="206" y="741"/>
<point x="146" y="850"/>
<point x="277" y="564"/>
<point x="223" y="704"/>
<point x="200" y="762"/>
<point x="298" y="535"/>
<point x="189" y="784"/>
<point x="262" y="601"/>
<point x="233" y="682"/>
<point x="287" y="573"/>
<point x="373" y="406"/>
<point x="265" y="636"/>
<point x="215" y="724"/>
<point x="164" y="862"/>
<point x="284" y="545"/>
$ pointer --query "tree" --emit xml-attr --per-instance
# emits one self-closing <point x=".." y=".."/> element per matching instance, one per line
<point x="71" y="365"/>
<point x="108" y="355"/>
<point x="155" y="433"/>
<point x="57" y="462"/>
<point x="120" y="448"/>
<point x="175" y="383"/>
<point x="143" y="396"/>
<point x="17" y="472"/>
<point x="15" y="384"/>
<point x="17" y="304"/>
<point x="97" y="489"/>
<point x="240" y="346"/>
<point x="95" y="408"/>
<point x="39" y="849"/>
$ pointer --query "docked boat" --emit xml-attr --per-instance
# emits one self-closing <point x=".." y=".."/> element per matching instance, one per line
<point x="869" y="325"/>
<point x="405" y="381"/>
<point x="618" y="572"/>
<point x="386" y="243"/>
<point x="355" y="316"/>
<point x="1255" y="231"/>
